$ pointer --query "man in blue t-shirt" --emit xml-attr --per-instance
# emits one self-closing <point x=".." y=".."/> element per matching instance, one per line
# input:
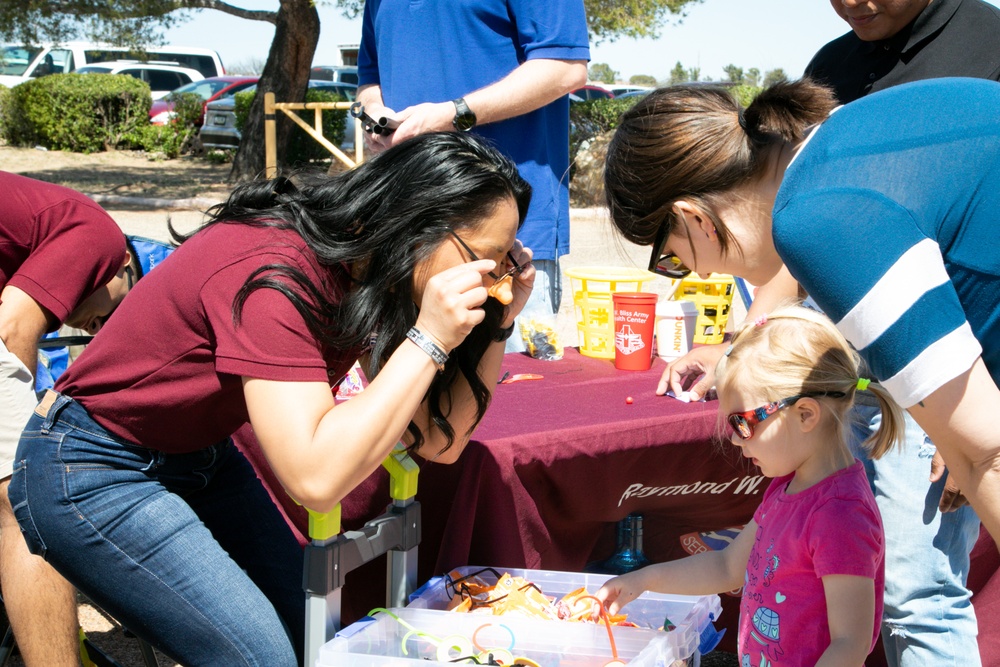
<point x="501" y="68"/>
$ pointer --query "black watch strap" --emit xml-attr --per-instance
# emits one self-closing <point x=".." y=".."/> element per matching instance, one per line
<point x="465" y="118"/>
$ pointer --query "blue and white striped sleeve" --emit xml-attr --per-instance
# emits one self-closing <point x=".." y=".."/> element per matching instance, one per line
<point x="866" y="262"/>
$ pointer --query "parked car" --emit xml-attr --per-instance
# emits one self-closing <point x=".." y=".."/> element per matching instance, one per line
<point x="342" y="73"/>
<point x="219" y="129"/>
<point x="634" y="91"/>
<point x="210" y="89"/>
<point x="19" y="63"/>
<point x="590" y="92"/>
<point x="161" y="77"/>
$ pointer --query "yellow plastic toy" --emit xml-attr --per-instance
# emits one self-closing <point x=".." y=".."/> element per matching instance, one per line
<point x="595" y="319"/>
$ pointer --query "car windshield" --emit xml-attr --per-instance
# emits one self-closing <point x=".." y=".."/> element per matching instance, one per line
<point x="15" y="59"/>
<point x="203" y="89"/>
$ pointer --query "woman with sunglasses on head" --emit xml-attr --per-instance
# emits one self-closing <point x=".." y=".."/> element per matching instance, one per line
<point x="127" y="480"/>
<point x="811" y="560"/>
<point x="884" y="212"/>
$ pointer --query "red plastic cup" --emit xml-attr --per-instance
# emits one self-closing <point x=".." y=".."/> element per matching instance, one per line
<point x="635" y="320"/>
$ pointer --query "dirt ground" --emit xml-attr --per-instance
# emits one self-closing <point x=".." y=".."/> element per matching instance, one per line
<point x="120" y="173"/>
<point x="142" y="194"/>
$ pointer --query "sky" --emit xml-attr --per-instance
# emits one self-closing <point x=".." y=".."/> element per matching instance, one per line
<point x="766" y="34"/>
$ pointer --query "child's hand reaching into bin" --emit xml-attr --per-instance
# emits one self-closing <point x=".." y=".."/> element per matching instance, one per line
<point x="619" y="591"/>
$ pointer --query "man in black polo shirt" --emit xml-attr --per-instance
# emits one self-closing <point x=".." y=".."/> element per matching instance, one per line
<point x="928" y="618"/>
<point x="897" y="41"/>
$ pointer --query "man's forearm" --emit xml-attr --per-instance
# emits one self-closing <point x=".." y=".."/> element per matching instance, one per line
<point x="531" y="85"/>
<point x="22" y="323"/>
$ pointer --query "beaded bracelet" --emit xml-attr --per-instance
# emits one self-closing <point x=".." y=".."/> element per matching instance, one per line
<point x="439" y="356"/>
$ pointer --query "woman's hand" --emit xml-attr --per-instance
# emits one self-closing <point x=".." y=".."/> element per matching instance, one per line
<point x="698" y="364"/>
<point x="450" y="306"/>
<point x="952" y="497"/>
<point x="513" y="291"/>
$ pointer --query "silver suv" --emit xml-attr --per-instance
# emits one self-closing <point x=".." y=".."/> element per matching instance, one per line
<point x="341" y="73"/>
<point x="162" y="77"/>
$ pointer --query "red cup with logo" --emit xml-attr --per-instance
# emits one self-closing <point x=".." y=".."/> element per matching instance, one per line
<point x="635" y="321"/>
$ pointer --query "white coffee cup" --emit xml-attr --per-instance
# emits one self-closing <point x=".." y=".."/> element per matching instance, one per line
<point x="675" y="323"/>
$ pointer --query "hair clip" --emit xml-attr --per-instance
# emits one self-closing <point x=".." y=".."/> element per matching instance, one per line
<point x="728" y="350"/>
<point x="863" y="384"/>
<point x="760" y="321"/>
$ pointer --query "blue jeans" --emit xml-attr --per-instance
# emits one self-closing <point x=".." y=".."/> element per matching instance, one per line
<point x="928" y="617"/>
<point x="186" y="550"/>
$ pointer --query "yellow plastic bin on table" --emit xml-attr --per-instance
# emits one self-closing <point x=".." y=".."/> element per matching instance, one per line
<point x="595" y="317"/>
<point x="714" y="298"/>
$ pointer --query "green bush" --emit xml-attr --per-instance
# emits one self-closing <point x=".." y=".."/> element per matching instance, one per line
<point x="745" y="94"/>
<point x="593" y="118"/>
<point x="174" y="138"/>
<point x="241" y="107"/>
<point x="163" y="140"/>
<point x="4" y="98"/>
<point x="76" y="112"/>
<point x="302" y="148"/>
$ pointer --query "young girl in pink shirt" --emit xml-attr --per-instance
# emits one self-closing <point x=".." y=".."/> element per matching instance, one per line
<point x="811" y="560"/>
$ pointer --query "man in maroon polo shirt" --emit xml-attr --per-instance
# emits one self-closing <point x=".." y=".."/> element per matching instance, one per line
<point x="63" y="260"/>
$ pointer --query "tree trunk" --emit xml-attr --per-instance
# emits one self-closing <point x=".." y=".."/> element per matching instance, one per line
<point x="286" y="74"/>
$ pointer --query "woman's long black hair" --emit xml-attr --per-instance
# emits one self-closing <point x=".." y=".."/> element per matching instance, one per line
<point x="383" y="217"/>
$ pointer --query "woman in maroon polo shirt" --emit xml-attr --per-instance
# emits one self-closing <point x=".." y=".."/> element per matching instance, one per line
<point x="126" y="479"/>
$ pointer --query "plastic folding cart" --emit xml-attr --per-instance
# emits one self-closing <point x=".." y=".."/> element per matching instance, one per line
<point x="331" y="555"/>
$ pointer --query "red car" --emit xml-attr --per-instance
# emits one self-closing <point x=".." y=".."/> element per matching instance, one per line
<point x="590" y="92"/>
<point x="210" y="89"/>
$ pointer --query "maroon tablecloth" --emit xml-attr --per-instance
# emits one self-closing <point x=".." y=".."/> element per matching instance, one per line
<point x="553" y="466"/>
<point x="556" y="463"/>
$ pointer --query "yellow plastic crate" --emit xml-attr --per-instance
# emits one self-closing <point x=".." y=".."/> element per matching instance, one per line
<point x="595" y="318"/>
<point x="714" y="298"/>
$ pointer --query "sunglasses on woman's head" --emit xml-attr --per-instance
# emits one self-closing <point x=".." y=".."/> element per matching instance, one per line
<point x="514" y="271"/>
<point x="669" y="264"/>
<point x="742" y="423"/>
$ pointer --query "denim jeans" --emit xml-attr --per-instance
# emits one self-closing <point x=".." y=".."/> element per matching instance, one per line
<point x="928" y="618"/>
<point x="186" y="550"/>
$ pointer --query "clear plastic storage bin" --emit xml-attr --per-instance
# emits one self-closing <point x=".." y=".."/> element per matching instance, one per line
<point x="379" y="641"/>
<point x="439" y="638"/>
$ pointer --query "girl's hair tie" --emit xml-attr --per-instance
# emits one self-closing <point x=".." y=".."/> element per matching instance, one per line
<point x="863" y="384"/>
<point x="760" y="321"/>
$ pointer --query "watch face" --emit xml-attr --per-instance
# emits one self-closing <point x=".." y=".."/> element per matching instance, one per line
<point x="465" y="118"/>
<point x="465" y="122"/>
